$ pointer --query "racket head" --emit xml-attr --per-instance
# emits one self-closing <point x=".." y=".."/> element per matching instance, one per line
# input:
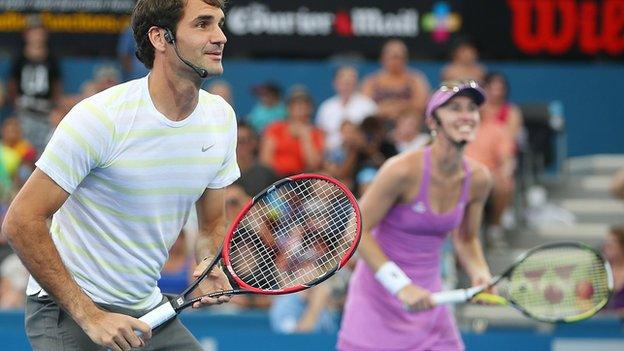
<point x="559" y="282"/>
<point x="293" y="235"/>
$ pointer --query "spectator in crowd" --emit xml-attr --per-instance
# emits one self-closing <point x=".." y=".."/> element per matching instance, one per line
<point x="305" y="312"/>
<point x="223" y="89"/>
<point x="269" y="107"/>
<point x="395" y="88"/>
<point x="340" y="161"/>
<point x="464" y="63"/>
<point x="494" y="148"/>
<point x="364" y="178"/>
<point x="235" y="199"/>
<point x="2" y="97"/>
<point x="613" y="249"/>
<point x="9" y="165"/>
<point x="178" y="269"/>
<point x="35" y="85"/>
<point x="131" y="67"/>
<point x="498" y="109"/>
<point x="58" y="113"/>
<point x="346" y="105"/>
<point x="255" y="176"/>
<point x="408" y="133"/>
<point x="363" y="146"/>
<point x="377" y="147"/>
<point x="105" y="76"/>
<point x="294" y="145"/>
<point x="617" y="185"/>
<point x="12" y="139"/>
<point x="13" y="281"/>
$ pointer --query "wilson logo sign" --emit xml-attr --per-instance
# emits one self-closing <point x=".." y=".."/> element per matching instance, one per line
<point x="558" y="26"/>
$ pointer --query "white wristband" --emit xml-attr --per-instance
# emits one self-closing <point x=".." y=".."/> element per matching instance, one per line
<point x="392" y="277"/>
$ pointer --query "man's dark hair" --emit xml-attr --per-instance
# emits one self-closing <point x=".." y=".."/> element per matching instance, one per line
<point x="159" y="13"/>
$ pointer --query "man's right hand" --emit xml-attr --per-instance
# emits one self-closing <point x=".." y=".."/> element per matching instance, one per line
<point x="116" y="331"/>
<point x="415" y="298"/>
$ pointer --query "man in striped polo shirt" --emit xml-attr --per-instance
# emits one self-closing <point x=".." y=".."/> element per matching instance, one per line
<point x="119" y="178"/>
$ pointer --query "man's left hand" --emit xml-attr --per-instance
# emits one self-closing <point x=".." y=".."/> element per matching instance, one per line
<point x="215" y="281"/>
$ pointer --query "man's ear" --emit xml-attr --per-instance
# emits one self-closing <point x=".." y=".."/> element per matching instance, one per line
<point x="157" y="38"/>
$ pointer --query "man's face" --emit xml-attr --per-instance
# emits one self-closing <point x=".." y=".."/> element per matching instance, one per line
<point x="200" y="36"/>
<point x="246" y="141"/>
<point x="346" y="81"/>
<point x="36" y="36"/>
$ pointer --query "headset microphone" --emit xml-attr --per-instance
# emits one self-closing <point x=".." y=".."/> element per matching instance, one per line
<point x="170" y="38"/>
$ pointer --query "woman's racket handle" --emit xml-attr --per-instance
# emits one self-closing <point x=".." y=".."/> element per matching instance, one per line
<point x="159" y="315"/>
<point x="455" y="296"/>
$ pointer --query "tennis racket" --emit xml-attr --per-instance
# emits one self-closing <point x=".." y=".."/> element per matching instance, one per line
<point x="557" y="282"/>
<point x="292" y="236"/>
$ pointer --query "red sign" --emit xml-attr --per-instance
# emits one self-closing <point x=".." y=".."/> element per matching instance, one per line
<point x="556" y="26"/>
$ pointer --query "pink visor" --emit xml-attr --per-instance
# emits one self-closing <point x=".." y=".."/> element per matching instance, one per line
<point x="447" y="91"/>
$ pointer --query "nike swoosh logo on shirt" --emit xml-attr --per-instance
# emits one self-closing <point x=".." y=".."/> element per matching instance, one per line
<point x="206" y="148"/>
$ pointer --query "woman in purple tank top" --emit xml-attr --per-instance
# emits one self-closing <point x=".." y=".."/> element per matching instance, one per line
<point x="417" y="198"/>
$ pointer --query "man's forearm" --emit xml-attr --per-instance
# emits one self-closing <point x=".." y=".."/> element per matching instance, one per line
<point x="33" y="244"/>
<point x="209" y="241"/>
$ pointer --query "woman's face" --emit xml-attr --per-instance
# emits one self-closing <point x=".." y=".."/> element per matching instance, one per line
<point x="459" y="118"/>
<point x="300" y="110"/>
<point x="394" y="57"/>
<point x="612" y="249"/>
<point x="496" y="89"/>
<point x="466" y="54"/>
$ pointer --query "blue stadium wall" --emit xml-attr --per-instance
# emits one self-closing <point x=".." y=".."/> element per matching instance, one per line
<point x="591" y="93"/>
<point x="250" y="331"/>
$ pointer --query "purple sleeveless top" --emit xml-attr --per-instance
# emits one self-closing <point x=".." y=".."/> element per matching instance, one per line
<point x="412" y="236"/>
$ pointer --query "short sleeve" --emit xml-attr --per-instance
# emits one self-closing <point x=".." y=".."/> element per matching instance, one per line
<point x="79" y="144"/>
<point x="229" y="170"/>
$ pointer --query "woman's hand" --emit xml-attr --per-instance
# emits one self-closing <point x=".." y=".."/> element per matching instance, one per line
<point x="415" y="298"/>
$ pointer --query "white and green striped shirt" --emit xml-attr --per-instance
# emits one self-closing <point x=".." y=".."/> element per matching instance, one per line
<point x="133" y="176"/>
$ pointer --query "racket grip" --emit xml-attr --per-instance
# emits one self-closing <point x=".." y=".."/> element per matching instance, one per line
<point x="159" y="315"/>
<point x="455" y="296"/>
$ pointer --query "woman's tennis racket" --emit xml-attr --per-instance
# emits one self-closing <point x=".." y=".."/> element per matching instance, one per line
<point x="292" y="236"/>
<point x="558" y="282"/>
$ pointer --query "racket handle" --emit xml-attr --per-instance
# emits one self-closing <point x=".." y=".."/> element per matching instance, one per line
<point x="455" y="296"/>
<point x="159" y="315"/>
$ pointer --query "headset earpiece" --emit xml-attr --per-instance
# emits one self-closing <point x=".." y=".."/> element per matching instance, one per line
<point x="169" y="38"/>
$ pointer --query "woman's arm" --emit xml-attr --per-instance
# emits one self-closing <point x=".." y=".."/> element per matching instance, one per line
<point x="466" y="238"/>
<point x="382" y="193"/>
<point x="267" y="149"/>
<point x="312" y="149"/>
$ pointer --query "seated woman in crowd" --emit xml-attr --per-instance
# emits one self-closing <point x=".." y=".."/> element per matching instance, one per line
<point x="294" y="145"/>
<point x="396" y="88"/>
<point x="464" y="63"/>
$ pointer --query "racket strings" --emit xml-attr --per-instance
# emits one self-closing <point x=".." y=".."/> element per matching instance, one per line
<point x="559" y="283"/>
<point x="293" y="235"/>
